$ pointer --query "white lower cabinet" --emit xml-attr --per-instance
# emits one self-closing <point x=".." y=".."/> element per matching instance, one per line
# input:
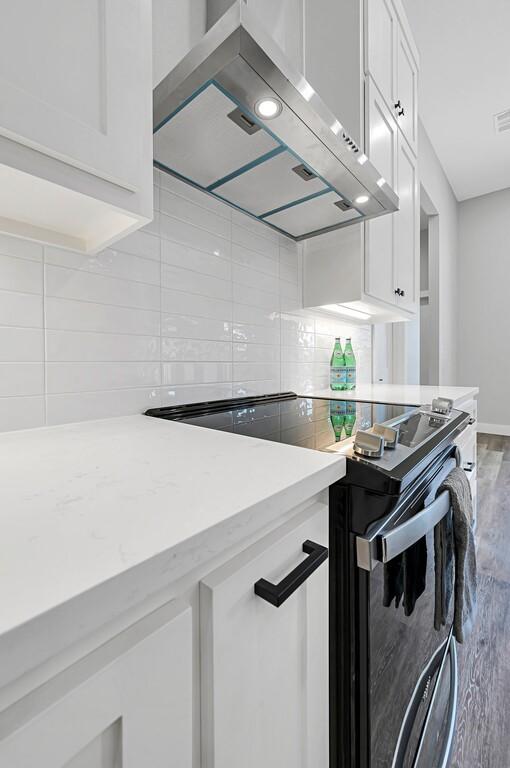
<point x="467" y="445"/>
<point x="264" y="668"/>
<point x="126" y="705"/>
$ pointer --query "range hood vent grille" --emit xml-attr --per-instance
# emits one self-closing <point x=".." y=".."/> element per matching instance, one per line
<point x="291" y="170"/>
<point x="502" y="121"/>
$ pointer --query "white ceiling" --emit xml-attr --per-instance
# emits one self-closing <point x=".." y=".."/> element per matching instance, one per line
<point x="464" y="81"/>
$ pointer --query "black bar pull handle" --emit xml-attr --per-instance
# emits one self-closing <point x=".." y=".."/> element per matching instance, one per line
<point x="276" y="594"/>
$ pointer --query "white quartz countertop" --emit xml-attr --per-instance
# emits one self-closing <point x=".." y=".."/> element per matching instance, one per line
<point x="81" y="504"/>
<point x="398" y="394"/>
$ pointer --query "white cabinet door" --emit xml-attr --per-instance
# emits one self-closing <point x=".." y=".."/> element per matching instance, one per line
<point x="407" y="228"/>
<point x="406" y="91"/>
<point x="380" y="46"/>
<point x="265" y="669"/>
<point x="126" y="705"/>
<point x="381" y="148"/>
<point x="71" y="74"/>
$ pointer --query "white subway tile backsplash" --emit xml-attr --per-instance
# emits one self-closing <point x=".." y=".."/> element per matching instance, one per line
<point x="248" y="238"/>
<point x="186" y="327"/>
<point x="174" y="205"/>
<point x="20" y="275"/>
<point x="298" y="354"/>
<point x="63" y="378"/>
<point x="81" y="406"/>
<point x="204" y="303"/>
<point x="245" y="294"/>
<point x="19" y="345"/>
<point x="194" y="282"/>
<point x="255" y="226"/>
<point x="23" y="249"/>
<point x="254" y="260"/>
<point x="141" y="243"/>
<point x="196" y="372"/>
<point x="256" y="371"/>
<point x="85" y="286"/>
<point x="256" y="353"/>
<point x="68" y="314"/>
<point x="195" y="350"/>
<point x="21" y="309"/>
<point x="252" y="278"/>
<point x="257" y="334"/>
<point x="171" y="395"/>
<point x="252" y="388"/>
<point x="21" y="412"/>
<point x="86" y="346"/>
<point x="18" y="379"/>
<point x="178" y="255"/>
<point x="109" y="262"/>
<point x="193" y="304"/>
<point x="289" y="272"/>
<point x="252" y="315"/>
<point x="172" y="184"/>
<point x="193" y="236"/>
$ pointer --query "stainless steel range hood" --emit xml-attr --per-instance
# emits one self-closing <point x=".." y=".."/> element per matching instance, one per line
<point x="298" y="172"/>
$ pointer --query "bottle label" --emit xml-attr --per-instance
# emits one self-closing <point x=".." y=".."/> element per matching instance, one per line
<point x="337" y="378"/>
<point x="350" y="377"/>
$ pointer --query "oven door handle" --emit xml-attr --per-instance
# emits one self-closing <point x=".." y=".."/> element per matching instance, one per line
<point x="383" y="547"/>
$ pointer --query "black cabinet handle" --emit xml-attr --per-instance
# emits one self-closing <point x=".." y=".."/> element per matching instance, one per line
<point x="470" y="465"/>
<point x="397" y="291"/>
<point x="400" y="292"/>
<point x="276" y="594"/>
<point x="399" y="108"/>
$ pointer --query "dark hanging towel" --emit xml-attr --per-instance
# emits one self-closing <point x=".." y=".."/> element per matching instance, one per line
<point x="405" y="576"/>
<point x="454" y="542"/>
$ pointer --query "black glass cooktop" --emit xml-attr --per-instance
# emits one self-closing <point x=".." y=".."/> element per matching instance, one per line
<point x="286" y="418"/>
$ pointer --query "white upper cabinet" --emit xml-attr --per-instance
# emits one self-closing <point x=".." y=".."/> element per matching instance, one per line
<point x="406" y="91"/>
<point x="382" y="148"/>
<point x="265" y="668"/>
<point x="75" y="120"/>
<point x="381" y="45"/>
<point x="392" y="242"/>
<point x="391" y="61"/>
<point x="407" y="229"/>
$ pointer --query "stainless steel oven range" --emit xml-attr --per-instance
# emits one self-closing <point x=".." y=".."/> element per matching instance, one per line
<point x="393" y="677"/>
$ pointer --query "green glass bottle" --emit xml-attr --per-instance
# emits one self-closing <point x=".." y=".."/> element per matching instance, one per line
<point x="337" y="416"/>
<point x="337" y="367"/>
<point x="350" y="366"/>
<point x="350" y="418"/>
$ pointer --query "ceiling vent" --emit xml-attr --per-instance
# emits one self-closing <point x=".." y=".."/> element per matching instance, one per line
<point x="502" y="121"/>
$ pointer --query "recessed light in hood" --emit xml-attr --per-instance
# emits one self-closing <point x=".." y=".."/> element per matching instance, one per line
<point x="237" y="121"/>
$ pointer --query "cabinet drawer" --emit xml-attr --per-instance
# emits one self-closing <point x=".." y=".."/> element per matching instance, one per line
<point x="265" y="668"/>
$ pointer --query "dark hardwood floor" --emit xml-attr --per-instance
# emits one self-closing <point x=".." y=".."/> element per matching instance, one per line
<point x="483" y="720"/>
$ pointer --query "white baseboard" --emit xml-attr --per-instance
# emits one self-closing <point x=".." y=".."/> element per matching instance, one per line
<point x="493" y="429"/>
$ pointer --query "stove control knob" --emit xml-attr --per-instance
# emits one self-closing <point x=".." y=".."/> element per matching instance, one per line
<point x="442" y="405"/>
<point x="368" y="444"/>
<point x="389" y="434"/>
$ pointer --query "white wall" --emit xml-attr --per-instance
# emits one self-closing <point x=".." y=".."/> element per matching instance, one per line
<point x="204" y="303"/>
<point x="445" y="273"/>
<point x="484" y="306"/>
